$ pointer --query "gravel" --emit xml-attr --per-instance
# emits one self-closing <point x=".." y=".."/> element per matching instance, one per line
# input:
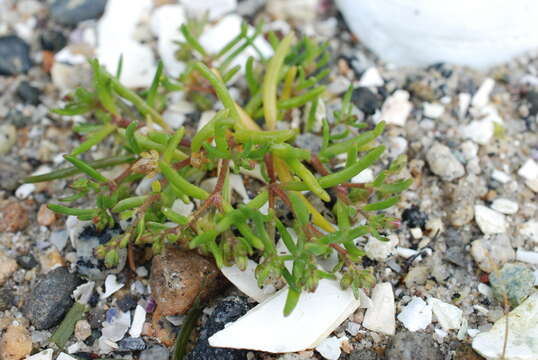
<point x="71" y="12"/>
<point x="410" y="346"/>
<point x="14" y="55"/>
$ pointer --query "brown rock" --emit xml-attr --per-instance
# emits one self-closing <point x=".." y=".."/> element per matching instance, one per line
<point x="7" y="267"/>
<point x="51" y="260"/>
<point x="177" y="277"/>
<point x="15" y="344"/>
<point x="45" y="216"/>
<point x="466" y="352"/>
<point x="13" y="217"/>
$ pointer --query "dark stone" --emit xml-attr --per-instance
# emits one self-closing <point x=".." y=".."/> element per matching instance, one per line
<point x="84" y="355"/>
<point x="365" y="100"/>
<point x="132" y="344"/>
<point x="227" y="311"/>
<point x="87" y="264"/>
<point x="156" y="352"/>
<point x="414" y="217"/>
<point x="96" y="317"/>
<point x="411" y="346"/>
<point x="52" y="40"/>
<point x="365" y="354"/>
<point x="126" y="303"/>
<point x="457" y="255"/>
<point x="27" y="93"/>
<point x="94" y="336"/>
<point x="51" y="298"/>
<point x="26" y="261"/>
<point x="18" y="119"/>
<point x="71" y="12"/>
<point x="532" y="98"/>
<point x="7" y="299"/>
<point x="14" y="55"/>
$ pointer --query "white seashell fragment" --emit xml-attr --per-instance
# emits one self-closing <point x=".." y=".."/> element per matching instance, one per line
<point x="380" y="316"/>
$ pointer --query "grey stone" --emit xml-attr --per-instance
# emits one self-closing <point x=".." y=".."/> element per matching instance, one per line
<point x="411" y="346"/>
<point x="27" y="93"/>
<point x="514" y="281"/>
<point x="71" y="12"/>
<point x="7" y="299"/>
<point x="14" y="55"/>
<point x="51" y="298"/>
<point x="11" y="174"/>
<point x="365" y="100"/>
<point x="132" y="344"/>
<point x="443" y="163"/>
<point x="52" y="40"/>
<point x="26" y="261"/>
<point x="156" y="352"/>
<point x="310" y="142"/>
<point x="227" y="311"/>
<point x="492" y="252"/>
<point x="365" y="354"/>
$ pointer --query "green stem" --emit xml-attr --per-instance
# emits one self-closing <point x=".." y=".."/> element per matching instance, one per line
<point x="67" y="326"/>
<point x="94" y="139"/>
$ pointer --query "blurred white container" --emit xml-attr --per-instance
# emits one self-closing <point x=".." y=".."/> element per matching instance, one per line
<point x="477" y="33"/>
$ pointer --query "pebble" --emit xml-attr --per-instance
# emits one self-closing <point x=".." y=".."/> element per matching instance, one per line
<point x="176" y="280"/>
<point x="156" y="352"/>
<point x="27" y="93"/>
<point x="505" y="206"/>
<point x="443" y="163"/>
<point x="365" y="100"/>
<point x="433" y="110"/>
<point x="479" y="131"/>
<point x="24" y="191"/>
<point x="310" y="142"/>
<point x="416" y="315"/>
<point x="8" y="137"/>
<point x="381" y="250"/>
<point x="529" y="170"/>
<point x="448" y="315"/>
<point x="214" y="9"/>
<point x="523" y="332"/>
<point x="16" y="343"/>
<point x="513" y="281"/>
<point x="380" y="316"/>
<point x="396" y="108"/>
<point x="26" y="261"/>
<point x="83" y="330"/>
<point x="52" y="40"/>
<point x="50" y="298"/>
<point x="226" y="311"/>
<point x="14" y="55"/>
<point x="7" y="267"/>
<point x="530" y="230"/>
<point x="529" y="257"/>
<point x="51" y="259"/>
<point x="414" y="218"/>
<point x="491" y="252"/>
<point x="371" y="77"/>
<point x="132" y="344"/>
<point x="500" y="176"/>
<point x="166" y="31"/>
<point x="127" y="302"/>
<point x="7" y="299"/>
<point x="298" y="11"/>
<point x="490" y="221"/>
<point x="71" y="12"/>
<point x="116" y="325"/>
<point x="45" y="216"/>
<point x="139" y="318"/>
<point x="43" y="355"/>
<point x="413" y="346"/>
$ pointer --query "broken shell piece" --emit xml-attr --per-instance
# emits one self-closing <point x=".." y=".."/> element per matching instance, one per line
<point x="380" y="316"/>
<point x="330" y="347"/>
<point x="265" y="328"/>
<point x="138" y="321"/>
<point x="83" y="293"/>
<point x="43" y="355"/>
<point x="246" y="282"/>
<point x="111" y="286"/>
<point x="115" y="328"/>
<point x="416" y="315"/>
<point x="448" y="315"/>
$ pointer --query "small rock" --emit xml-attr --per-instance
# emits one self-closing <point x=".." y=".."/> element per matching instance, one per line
<point x="513" y="281"/>
<point x="365" y="176"/>
<point x="529" y="170"/>
<point x="116" y="325"/>
<point x="530" y="230"/>
<point x="414" y="217"/>
<point x="413" y="346"/>
<point x="299" y="11"/>
<point x="45" y="216"/>
<point x="51" y="260"/>
<point x="43" y="355"/>
<point x="365" y="100"/>
<point x="396" y="108"/>
<point x="51" y="298"/>
<point x="416" y="315"/>
<point x="500" y="176"/>
<point x="330" y="348"/>
<point x="7" y="299"/>
<point x="381" y="250"/>
<point x="139" y="318"/>
<point x="156" y="352"/>
<point x="24" y="191"/>
<point x="433" y="110"/>
<point x="7" y="267"/>
<point x="310" y="142"/>
<point x="480" y="131"/>
<point x="491" y="253"/>
<point x="364" y="354"/>
<point x="71" y="12"/>
<point x="132" y="344"/>
<point x="127" y="302"/>
<point x="111" y="286"/>
<point x="83" y="330"/>
<point x="522" y="334"/>
<point x="466" y="352"/>
<point x="490" y="221"/>
<point x="26" y="261"/>
<point x="16" y="343"/>
<point x="371" y="77"/>
<point x="59" y="239"/>
<point x="225" y="312"/>
<point x="417" y="276"/>
<point x="52" y="40"/>
<point x="443" y="163"/>
<point x="8" y="137"/>
<point x="380" y="316"/>
<point x="27" y="93"/>
<point x="177" y="277"/>
<point x="10" y="175"/>
<point x="505" y="206"/>
<point x="448" y="315"/>
<point x="14" y="55"/>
